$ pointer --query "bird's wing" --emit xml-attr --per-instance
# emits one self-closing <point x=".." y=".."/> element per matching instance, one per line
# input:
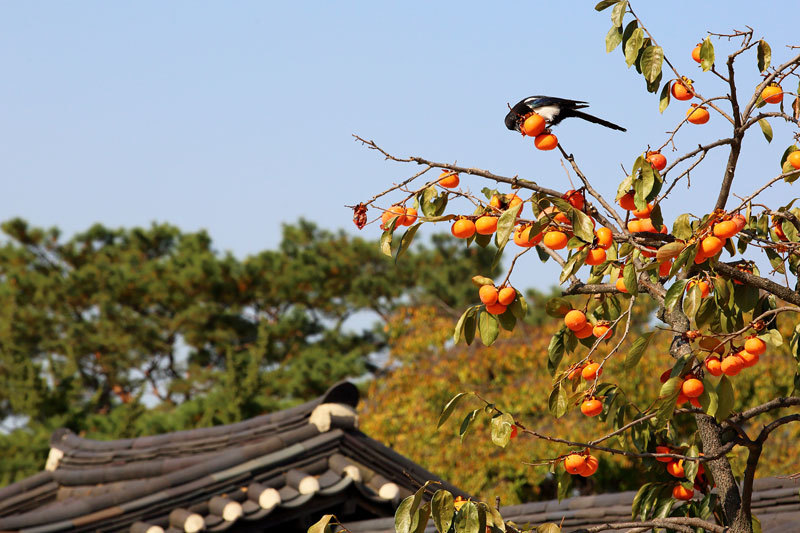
<point x="533" y="102"/>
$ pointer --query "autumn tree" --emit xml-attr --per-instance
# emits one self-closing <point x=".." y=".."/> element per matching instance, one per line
<point x="703" y="272"/>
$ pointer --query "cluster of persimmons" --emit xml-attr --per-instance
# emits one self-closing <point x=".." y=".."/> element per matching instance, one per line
<point x="554" y="231"/>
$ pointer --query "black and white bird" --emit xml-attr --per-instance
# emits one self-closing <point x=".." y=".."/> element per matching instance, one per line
<point x="553" y="110"/>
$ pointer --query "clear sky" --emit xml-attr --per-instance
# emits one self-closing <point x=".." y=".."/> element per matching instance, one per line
<point x="237" y="116"/>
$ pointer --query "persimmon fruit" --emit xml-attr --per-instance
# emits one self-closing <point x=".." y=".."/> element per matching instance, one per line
<point x="692" y="387"/>
<point x="755" y="346"/>
<point x="591" y="371"/>
<point x="682" y="493"/>
<point x="620" y="285"/>
<point x="794" y="159"/>
<point x="604" y="238"/>
<point x="603" y="332"/>
<point x="448" y="179"/>
<point x="589" y="466"/>
<point x="726" y="229"/>
<point x="663" y="449"/>
<point x="592" y="407"/>
<point x="395" y="211"/>
<point x="732" y="365"/>
<point x="506" y="295"/>
<point x="681" y="91"/>
<point x="713" y="366"/>
<point x="575" y="199"/>
<point x="697" y="114"/>
<point x="545" y="141"/>
<point x="463" y="228"/>
<point x="597" y="256"/>
<point x="533" y="125"/>
<point x="657" y="160"/>
<point x="486" y="225"/>
<point x="522" y="237"/>
<point x="573" y="463"/>
<point x="575" y="320"/>
<point x="496" y="309"/>
<point x="675" y="468"/>
<point x="626" y="201"/>
<point x="555" y="240"/>
<point x="488" y="294"/>
<point x="585" y="331"/>
<point x="696" y="53"/>
<point x="772" y="94"/>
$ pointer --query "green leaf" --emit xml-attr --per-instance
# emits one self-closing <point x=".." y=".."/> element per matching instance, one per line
<point x="618" y="13"/>
<point x="663" y="99"/>
<point x="322" y="525"/>
<point x="386" y="237"/>
<point x="582" y="225"/>
<point x="519" y="307"/>
<point x="467" y="520"/>
<point x="488" y="328"/>
<point x="692" y="301"/>
<point x="501" y="429"/>
<point x="605" y="4"/>
<point x="684" y="258"/>
<point x="555" y="351"/>
<point x="461" y="321"/>
<point x="573" y="264"/>
<point x="766" y="129"/>
<point x="507" y="320"/>
<point x="470" y="327"/>
<point x="706" y="313"/>
<point x="682" y="228"/>
<point x="652" y="61"/>
<point x="670" y="251"/>
<point x="707" y="54"/>
<point x="467" y="422"/>
<point x="564" y="484"/>
<point x="639" y="499"/>
<point x="726" y="398"/>
<point x="633" y="45"/>
<point x="448" y="409"/>
<point x="629" y="279"/>
<point x="442" y="507"/>
<point x="421" y="518"/>
<point x="613" y="38"/>
<point x="637" y="350"/>
<point x="403" y="516"/>
<point x="674" y="293"/>
<point x="789" y="150"/>
<point x="709" y="400"/>
<point x="691" y="467"/>
<point x="557" y="402"/>
<point x="557" y="307"/>
<point x="480" y="281"/>
<point x="505" y="224"/>
<point x="764" y="55"/>
<point x="405" y="240"/>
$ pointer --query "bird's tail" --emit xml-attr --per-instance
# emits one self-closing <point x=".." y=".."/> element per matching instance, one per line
<point x="592" y="118"/>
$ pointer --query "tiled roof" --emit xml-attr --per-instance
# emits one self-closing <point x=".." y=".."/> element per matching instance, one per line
<point x="276" y="472"/>
<point x="775" y="503"/>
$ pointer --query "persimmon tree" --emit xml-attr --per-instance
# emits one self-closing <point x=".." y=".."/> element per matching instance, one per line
<point x="702" y="272"/>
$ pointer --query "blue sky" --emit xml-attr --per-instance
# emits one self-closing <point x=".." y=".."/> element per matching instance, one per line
<point x="237" y="116"/>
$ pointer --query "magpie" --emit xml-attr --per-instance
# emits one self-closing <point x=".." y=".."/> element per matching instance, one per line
<point x="553" y="110"/>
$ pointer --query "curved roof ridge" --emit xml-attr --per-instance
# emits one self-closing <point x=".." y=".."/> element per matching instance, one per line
<point x="188" y="441"/>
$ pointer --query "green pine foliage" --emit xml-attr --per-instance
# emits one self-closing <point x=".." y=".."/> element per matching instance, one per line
<point x="97" y="328"/>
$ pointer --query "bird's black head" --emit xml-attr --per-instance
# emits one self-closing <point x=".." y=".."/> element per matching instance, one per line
<point x="513" y="120"/>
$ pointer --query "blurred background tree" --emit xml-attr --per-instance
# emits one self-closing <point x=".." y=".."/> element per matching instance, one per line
<point x="123" y="332"/>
